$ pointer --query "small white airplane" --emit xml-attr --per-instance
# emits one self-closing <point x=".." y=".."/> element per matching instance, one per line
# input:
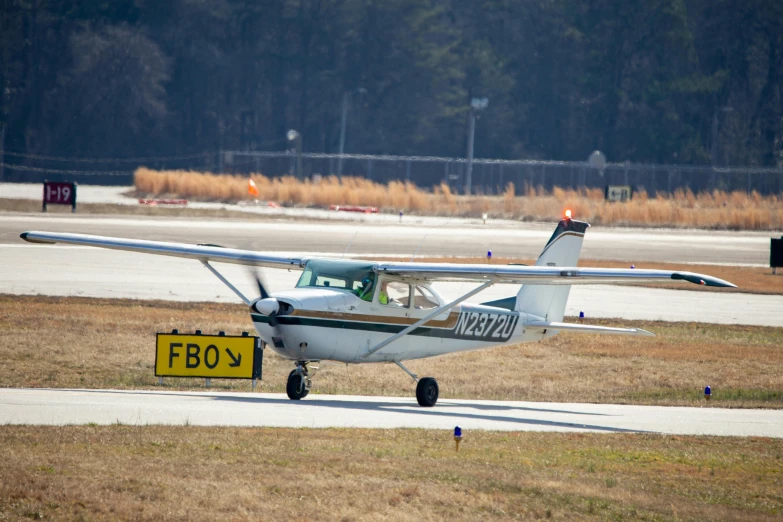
<point x="356" y="311"/>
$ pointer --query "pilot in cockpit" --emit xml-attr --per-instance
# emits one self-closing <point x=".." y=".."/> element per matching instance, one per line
<point x="366" y="290"/>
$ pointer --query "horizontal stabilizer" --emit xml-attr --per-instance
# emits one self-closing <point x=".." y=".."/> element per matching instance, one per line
<point x="586" y="328"/>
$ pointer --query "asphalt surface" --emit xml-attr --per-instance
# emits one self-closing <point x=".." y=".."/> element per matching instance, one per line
<point x="427" y="236"/>
<point x="82" y="271"/>
<point x="59" y="407"/>
<point x="65" y="270"/>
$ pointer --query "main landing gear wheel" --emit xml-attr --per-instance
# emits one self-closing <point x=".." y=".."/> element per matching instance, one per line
<point x="298" y="385"/>
<point x="427" y="392"/>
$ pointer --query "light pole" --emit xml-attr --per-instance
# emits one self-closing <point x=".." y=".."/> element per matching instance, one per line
<point x="714" y="151"/>
<point x="714" y="148"/>
<point x="475" y="105"/>
<point x="297" y="139"/>
<point x="2" y="149"/>
<point x="343" y="120"/>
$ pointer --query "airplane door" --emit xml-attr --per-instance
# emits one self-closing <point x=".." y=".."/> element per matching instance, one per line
<point x="391" y="307"/>
<point x="393" y="299"/>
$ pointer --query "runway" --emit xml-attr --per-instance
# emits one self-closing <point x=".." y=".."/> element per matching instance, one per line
<point x="59" y="407"/>
<point x="427" y="236"/>
<point x="89" y="272"/>
<point x="76" y="271"/>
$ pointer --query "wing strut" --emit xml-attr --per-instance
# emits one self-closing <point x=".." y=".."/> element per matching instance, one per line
<point x="413" y="375"/>
<point x="427" y="318"/>
<point x="226" y="282"/>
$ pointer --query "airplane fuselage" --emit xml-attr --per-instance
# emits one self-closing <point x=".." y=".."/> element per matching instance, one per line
<point x="335" y="324"/>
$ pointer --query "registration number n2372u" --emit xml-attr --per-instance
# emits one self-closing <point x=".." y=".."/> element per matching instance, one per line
<point x="485" y="326"/>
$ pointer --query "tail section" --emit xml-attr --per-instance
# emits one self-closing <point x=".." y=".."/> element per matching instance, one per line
<point x="562" y="249"/>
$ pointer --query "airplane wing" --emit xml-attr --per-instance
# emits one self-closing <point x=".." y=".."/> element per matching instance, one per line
<point x="541" y="275"/>
<point x="538" y="275"/>
<point x="197" y="252"/>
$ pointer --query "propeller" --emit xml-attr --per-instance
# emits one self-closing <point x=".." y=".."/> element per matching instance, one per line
<point x="270" y="307"/>
<point x="261" y="290"/>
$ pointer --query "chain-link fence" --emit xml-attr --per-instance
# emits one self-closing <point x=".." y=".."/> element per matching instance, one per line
<point x="491" y="176"/>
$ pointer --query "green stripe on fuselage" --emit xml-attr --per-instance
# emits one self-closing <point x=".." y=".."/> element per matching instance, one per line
<point x="351" y="325"/>
<point x="423" y="331"/>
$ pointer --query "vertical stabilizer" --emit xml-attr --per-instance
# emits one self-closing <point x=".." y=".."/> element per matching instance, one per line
<point x="562" y="249"/>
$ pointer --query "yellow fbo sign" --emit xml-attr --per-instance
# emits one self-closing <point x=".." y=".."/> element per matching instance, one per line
<point x="210" y="356"/>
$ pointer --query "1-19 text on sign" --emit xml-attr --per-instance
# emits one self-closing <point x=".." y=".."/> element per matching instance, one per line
<point x="209" y="356"/>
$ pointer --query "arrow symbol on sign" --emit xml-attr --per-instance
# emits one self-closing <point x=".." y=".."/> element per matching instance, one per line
<point x="237" y="360"/>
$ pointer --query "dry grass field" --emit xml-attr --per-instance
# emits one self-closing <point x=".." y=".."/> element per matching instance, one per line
<point x="189" y="473"/>
<point x="103" y="343"/>
<point x="714" y="210"/>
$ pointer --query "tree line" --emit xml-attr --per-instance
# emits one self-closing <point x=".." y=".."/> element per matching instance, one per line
<point x="657" y="81"/>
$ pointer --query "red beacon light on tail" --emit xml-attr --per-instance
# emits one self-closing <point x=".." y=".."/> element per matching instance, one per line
<point x="568" y="214"/>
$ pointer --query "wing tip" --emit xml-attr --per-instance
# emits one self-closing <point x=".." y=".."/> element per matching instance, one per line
<point x="32" y="239"/>
<point x="703" y="280"/>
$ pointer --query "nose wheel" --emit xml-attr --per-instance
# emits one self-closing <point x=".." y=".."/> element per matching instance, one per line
<point x="299" y="382"/>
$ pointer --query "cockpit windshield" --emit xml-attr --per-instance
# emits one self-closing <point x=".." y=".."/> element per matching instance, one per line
<point x="356" y="276"/>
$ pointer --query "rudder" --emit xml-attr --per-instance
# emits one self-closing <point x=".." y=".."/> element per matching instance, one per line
<point x="562" y="249"/>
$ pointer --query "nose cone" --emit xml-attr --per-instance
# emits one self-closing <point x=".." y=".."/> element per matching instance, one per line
<point x="267" y="306"/>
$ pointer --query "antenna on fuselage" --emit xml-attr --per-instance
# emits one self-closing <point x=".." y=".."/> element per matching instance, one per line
<point x="350" y="243"/>
<point x="418" y="247"/>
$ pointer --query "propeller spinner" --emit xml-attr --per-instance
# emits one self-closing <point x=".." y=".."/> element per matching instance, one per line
<point x="269" y="306"/>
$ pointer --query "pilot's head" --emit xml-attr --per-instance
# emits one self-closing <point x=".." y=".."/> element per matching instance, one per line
<point x="366" y="283"/>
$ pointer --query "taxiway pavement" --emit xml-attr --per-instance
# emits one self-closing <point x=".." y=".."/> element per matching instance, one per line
<point x="82" y="271"/>
<point x="60" y="407"/>
<point x="427" y="236"/>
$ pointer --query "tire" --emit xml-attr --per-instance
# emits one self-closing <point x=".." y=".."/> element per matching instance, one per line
<point x="427" y="392"/>
<point x="293" y="386"/>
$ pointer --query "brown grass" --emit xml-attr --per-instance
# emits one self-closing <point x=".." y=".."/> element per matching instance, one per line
<point x="711" y="210"/>
<point x="103" y="343"/>
<point x="189" y="473"/>
<point x="287" y="190"/>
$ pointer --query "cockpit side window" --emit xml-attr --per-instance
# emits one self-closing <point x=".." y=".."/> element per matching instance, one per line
<point x="394" y="294"/>
<point x="424" y="299"/>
